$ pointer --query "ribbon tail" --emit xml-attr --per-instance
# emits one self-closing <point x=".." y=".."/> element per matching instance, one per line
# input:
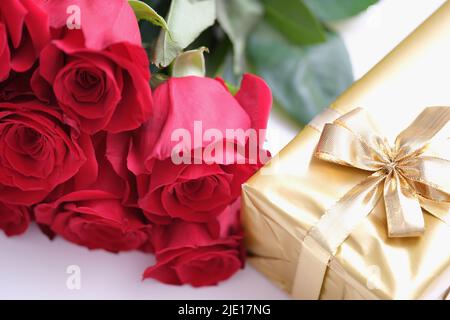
<point x="341" y="219"/>
<point x="403" y="211"/>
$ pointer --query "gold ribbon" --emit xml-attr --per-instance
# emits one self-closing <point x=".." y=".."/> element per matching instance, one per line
<point x="412" y="174"/>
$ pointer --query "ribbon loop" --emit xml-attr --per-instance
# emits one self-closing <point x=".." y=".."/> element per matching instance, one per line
<point x="432" y="123"/>
<point x="335" y="143"/>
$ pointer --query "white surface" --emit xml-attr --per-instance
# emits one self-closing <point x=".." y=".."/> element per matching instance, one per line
<point x="32" y="267"/>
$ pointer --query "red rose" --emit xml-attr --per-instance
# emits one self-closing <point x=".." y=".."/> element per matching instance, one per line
<point x="197" y="254"/>
<point x="37" y="152"/>
<point x="14" y="220"/>
<point x="196" y="192"/>
<point x="99" y="74"/>
<point x="94" y="215"/>
<point x="95" y="219"/>
<point x="24" y="31"/>
<point x="100" y="90"/>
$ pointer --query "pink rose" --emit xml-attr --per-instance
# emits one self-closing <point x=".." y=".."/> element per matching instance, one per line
<point x="200" y="191"/>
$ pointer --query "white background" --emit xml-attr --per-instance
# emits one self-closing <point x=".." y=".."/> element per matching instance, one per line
<point x="32" y="267"/>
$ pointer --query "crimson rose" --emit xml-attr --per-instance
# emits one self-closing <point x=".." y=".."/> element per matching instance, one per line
<point x="99" y="90"/>
<point x="37" y="152"/>
<point x="95" y="219"/>
<point x="94" y="215"/>
<point x="198" y="254"/>
<point x="99" y="73"/>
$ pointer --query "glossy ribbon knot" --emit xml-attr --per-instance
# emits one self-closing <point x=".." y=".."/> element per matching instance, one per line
<point x="412" y="174"/>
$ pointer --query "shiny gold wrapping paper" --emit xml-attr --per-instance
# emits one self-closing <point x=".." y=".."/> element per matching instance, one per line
<point x="289" y="195"/>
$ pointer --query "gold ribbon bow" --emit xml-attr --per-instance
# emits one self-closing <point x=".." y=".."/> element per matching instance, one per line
<point x="408" y="175"/>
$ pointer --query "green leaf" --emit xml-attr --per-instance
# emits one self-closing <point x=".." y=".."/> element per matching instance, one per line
<point x="190" y="63"/>
<point x="294" y="20"/>
<point x="304" y="80"/>
<point x="237" y="18"/>
<point x="186" y="20"/>
<point x="144" y="12"/>
<point x="330" y="10"/>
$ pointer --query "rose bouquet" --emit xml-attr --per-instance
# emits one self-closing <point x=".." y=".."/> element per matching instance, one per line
<point x="92" y="153"/>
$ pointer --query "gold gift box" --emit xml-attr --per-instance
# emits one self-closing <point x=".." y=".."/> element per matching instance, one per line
<point x="286" y="198"/>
